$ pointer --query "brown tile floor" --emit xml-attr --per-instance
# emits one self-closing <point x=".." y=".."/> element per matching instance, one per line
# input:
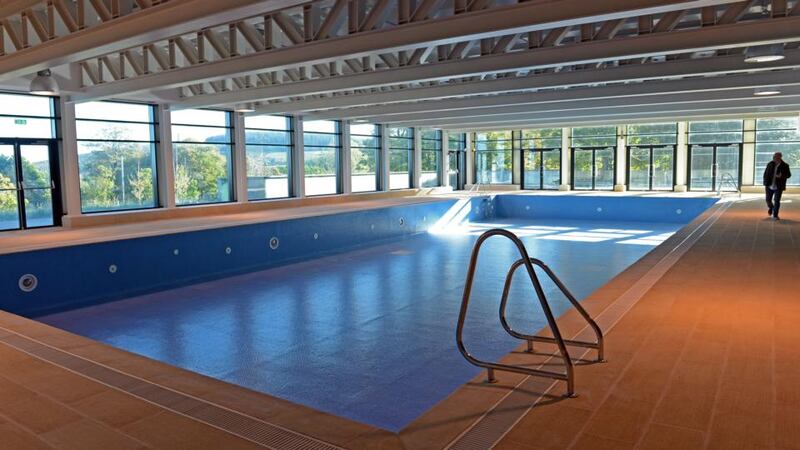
<point x="708" y="358"/>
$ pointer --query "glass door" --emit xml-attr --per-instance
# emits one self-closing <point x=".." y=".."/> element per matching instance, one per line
<point x="712" y="166"/>
<point x="29" y="196"/>
<point x="542" y="169"/>
<point x="9" y="189"/>
<point x="456" y="171"/>
<point x="593" y="168"/>
<point x="651" y="167"/>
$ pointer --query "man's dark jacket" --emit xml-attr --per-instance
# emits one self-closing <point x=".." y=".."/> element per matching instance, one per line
<point x="783" y="169"/>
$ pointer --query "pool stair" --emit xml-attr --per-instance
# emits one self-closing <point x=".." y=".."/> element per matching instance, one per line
<point x="529" y="263"/>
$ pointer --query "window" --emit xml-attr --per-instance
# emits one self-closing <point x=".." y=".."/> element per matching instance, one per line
<point x="202" y="147"/>
<point x="603" y="136"/>
<point x="715" y="155"/>
<point x="721" y="131"/>
<point x="269" y="149"/>
<point x="593" y="157"/>
<point x="365" y="147"/>
<point x="493" y="157"/>
<point x="457" y="151"/>
<point x="322" y="151"/>
<point x="431" y="157"/>
<point x="778" y="135"/>
<point x="116" y="156"/>
<point x="541" y="153"/>
<point x="651" y="156"/>
<point x="27" y="116"/>
<point x="401" y="157"/>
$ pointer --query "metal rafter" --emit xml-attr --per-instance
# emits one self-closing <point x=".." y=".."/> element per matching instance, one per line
<point x="716" y="37"/>
<point x="82" y="29"/>
<point x="495" y="21"/>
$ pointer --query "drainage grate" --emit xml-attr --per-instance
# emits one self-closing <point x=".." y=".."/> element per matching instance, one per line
<point x="238" y="424"/>
<point x="490" y="428"/>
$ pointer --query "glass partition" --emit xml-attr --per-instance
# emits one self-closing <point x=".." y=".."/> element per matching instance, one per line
<point x="779" y="134"/>
<point x="401" y="157"/>
<point x="202" y="143"/>
<point x="431" y="158"/>
<point x="494" y="157"/>
<point x="541" y="155"/>
<point x="116" y="156"/>
<point x="365" y="148"/>
<point x="322" y="151"/>
<point x="268" y="147"/>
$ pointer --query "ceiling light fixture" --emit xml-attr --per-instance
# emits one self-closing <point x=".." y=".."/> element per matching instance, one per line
<point x="764" y="92"/>
<point x="764" y="53"/>
<point x="244" y="107"/>
<point x="44" y="83"/>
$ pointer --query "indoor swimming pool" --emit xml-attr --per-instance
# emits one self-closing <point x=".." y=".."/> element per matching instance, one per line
<point x="364" y="329"/>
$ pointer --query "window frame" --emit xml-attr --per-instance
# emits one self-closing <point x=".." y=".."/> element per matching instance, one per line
<point x="377" y="149"/>
<point x="337" y="155"/>
<point x="438" y="142"/>
<point x="290" y="160"/>
<point x="231" y="145"/>
<point x="794" y="181"/>
<point x="410" y="150"/>
<point x="478" y="151"/>
<point x="155" y="144"/>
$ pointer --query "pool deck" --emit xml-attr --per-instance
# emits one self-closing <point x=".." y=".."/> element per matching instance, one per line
<point x="705" y="358"/>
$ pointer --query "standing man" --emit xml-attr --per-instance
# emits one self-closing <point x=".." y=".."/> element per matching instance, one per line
<point x="775" y="176"/>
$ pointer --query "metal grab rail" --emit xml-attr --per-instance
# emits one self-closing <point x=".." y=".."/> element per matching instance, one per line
<point x="528" y="262"/>
<point x="598" y="344"/>
<point x="726" y="178"/>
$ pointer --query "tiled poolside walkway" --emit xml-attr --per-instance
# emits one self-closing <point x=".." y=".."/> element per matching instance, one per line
<point x="708" y="358"/>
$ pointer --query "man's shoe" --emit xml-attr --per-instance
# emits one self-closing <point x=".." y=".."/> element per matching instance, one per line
<point x="769" y="211"/>
<point x="777" y="218"/>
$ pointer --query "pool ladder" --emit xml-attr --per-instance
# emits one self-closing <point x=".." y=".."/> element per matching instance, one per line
<point x="561" y="343"/>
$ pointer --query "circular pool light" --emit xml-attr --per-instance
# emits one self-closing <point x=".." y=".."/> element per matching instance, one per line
<point x="678" y="211"/>
<point x="316" y="236"/>
<point x="28" y="282"/>
<point x="176" y="252"/>
<point x="112" y="268"/>
<point x="274" y="243"/>
<point x="599" y="209"/>
<point x="228" y="250"/>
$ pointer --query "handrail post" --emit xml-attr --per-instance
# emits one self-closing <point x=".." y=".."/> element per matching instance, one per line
<point x="528" y="262"/>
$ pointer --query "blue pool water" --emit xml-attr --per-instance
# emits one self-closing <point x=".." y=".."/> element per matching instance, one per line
<point x="369" y="333"/>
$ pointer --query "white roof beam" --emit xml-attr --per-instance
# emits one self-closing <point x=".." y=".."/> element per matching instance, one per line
<point x="637" y="72"/>
<point x="162" y="21"/>
<point x="639" y="118"/>
<point x="723" y="36"/>
<point x="508" y="121"/>
<point x="733" y="95"/>
<point x="559" y="99"/>
<point x="503" y="20"/>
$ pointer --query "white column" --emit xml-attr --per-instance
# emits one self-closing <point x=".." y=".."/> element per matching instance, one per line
<point x="621" y="163"/>
<point x="346" y="168"/>
<point x="239" y="159"/>
<point x="165" y="158"/>
<point x="682" y="157"/>
<point x="298" y="159"/>
<point x="566" y="160"/>
<point x="516" y="158"/>
<point x="70" y="172"/>
<point x="470" y="155"/>
<point x="417" y="169"/>
<point x="383" y="162"/>
<point x="445" y="169"/>
<point x="749" y="153"/>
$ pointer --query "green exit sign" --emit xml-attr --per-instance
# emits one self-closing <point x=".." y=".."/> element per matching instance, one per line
<point x="20" y="122"/>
